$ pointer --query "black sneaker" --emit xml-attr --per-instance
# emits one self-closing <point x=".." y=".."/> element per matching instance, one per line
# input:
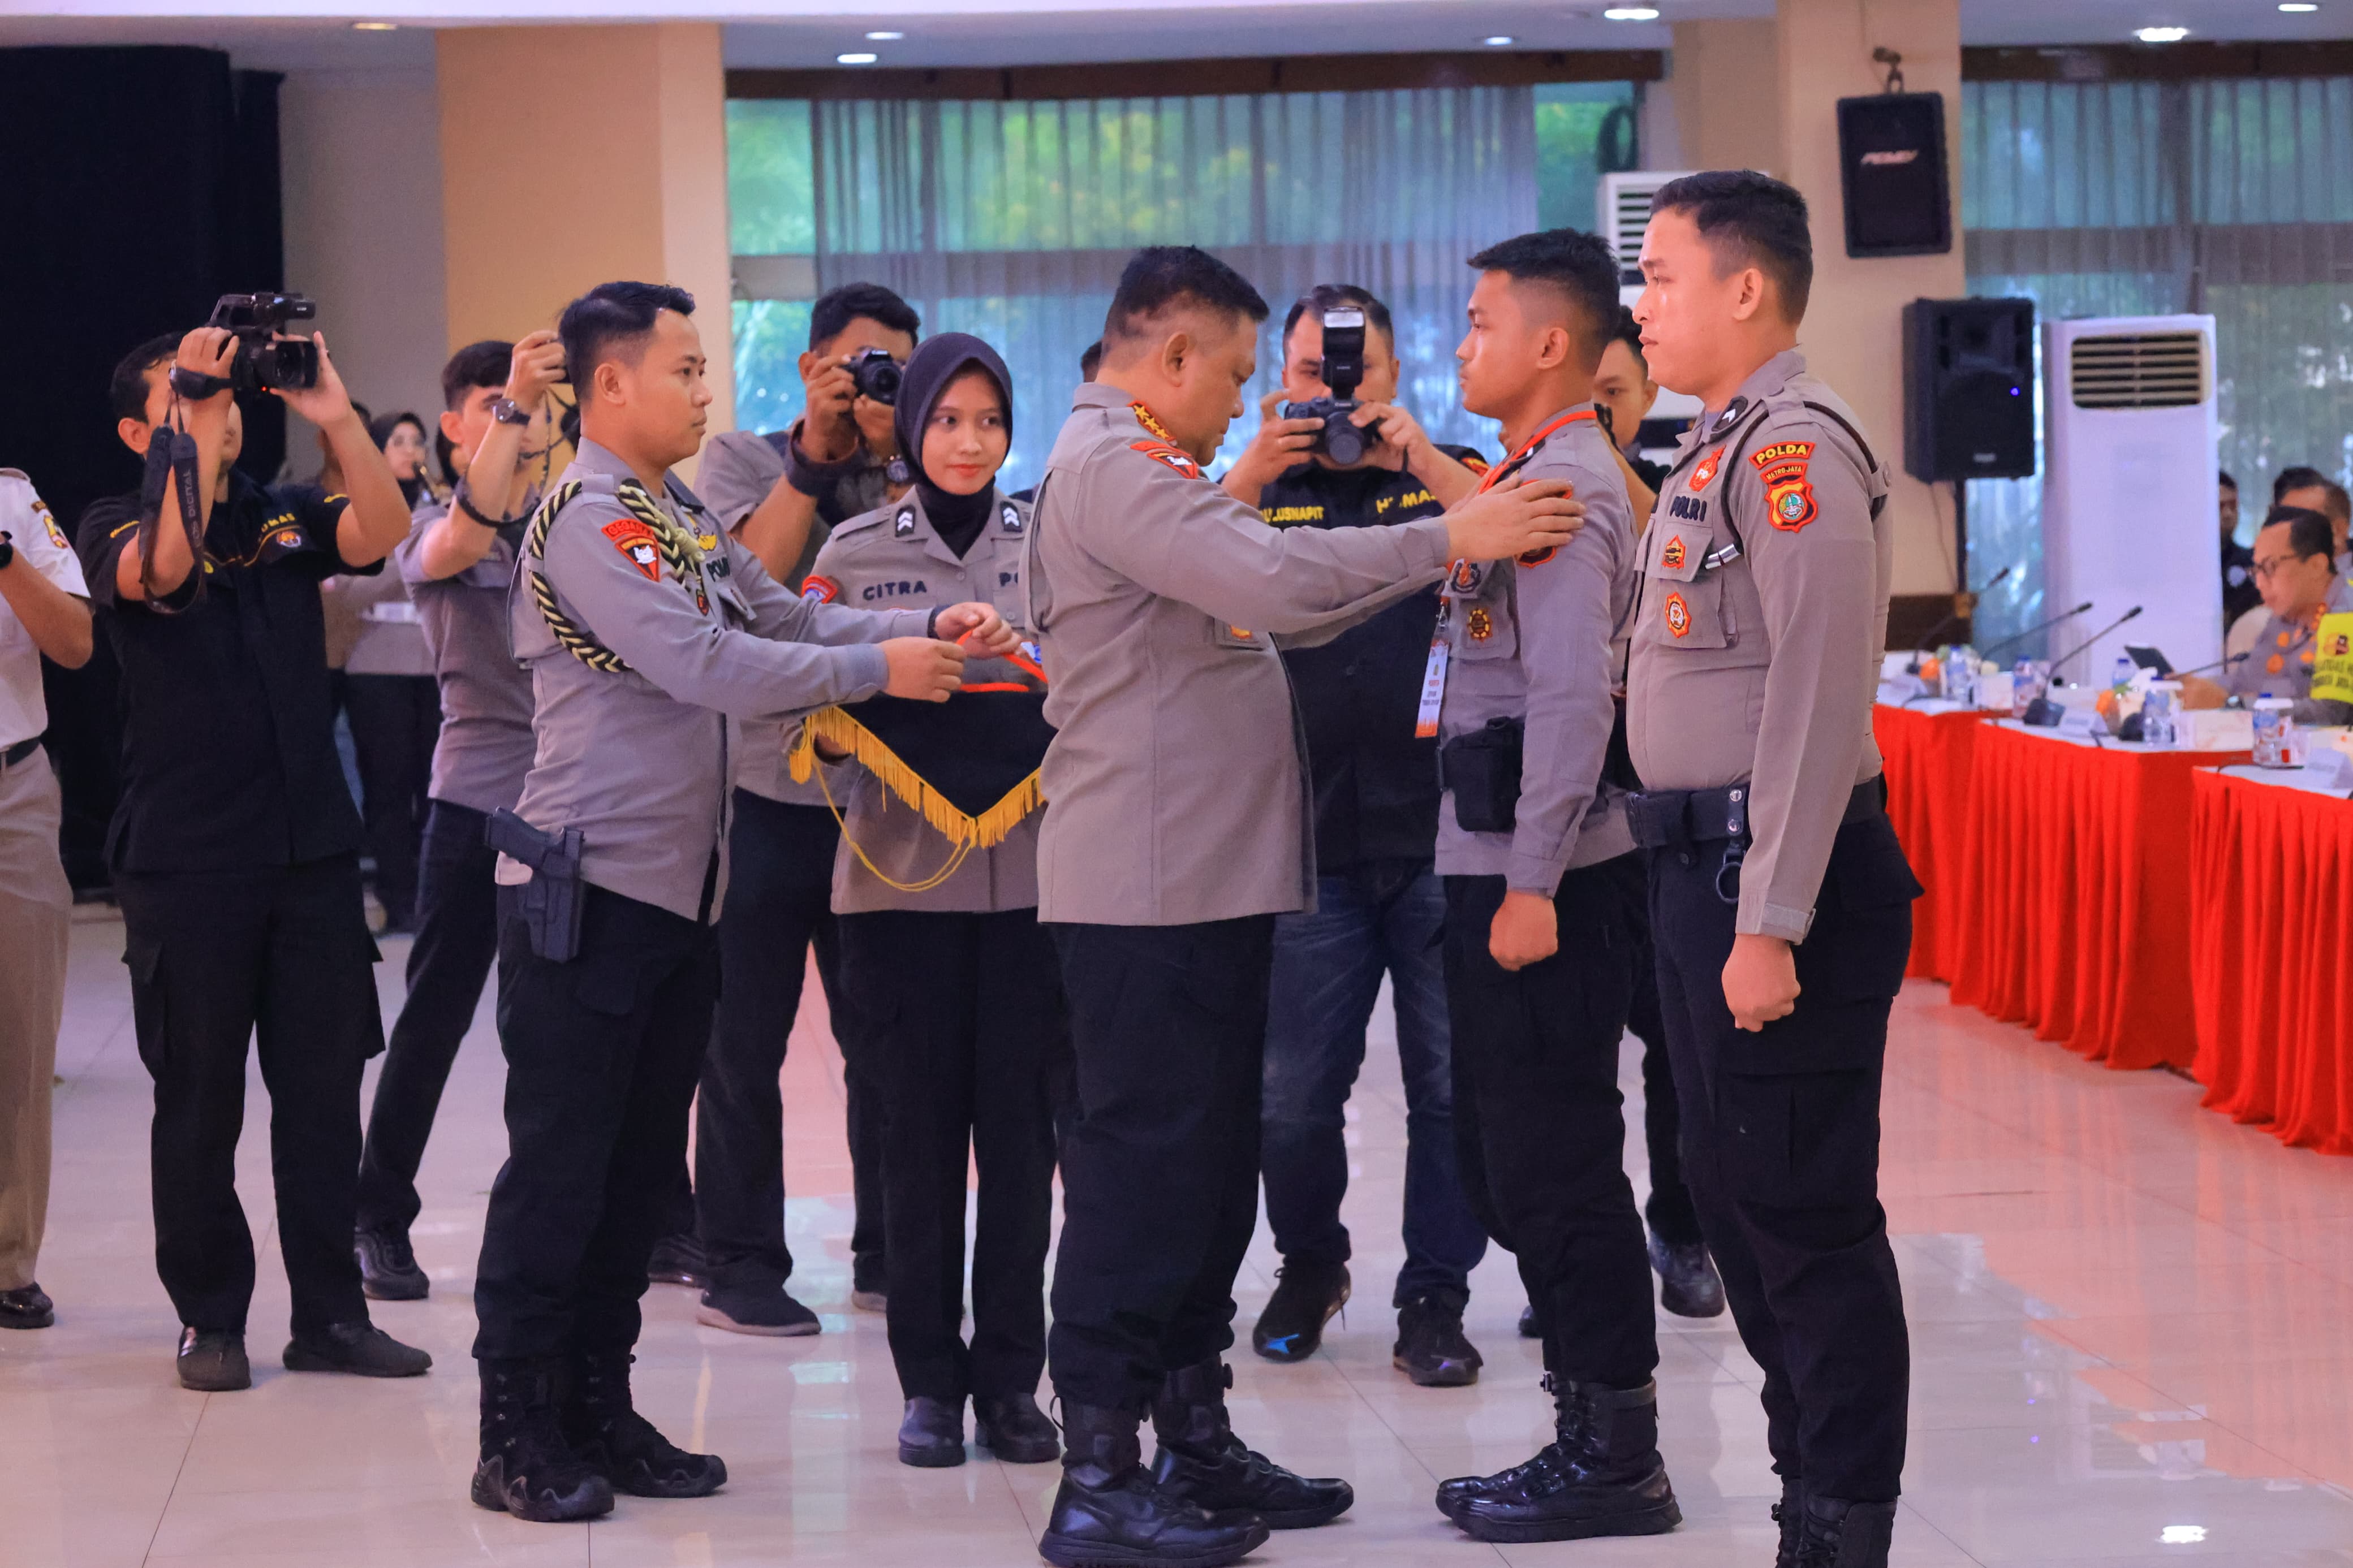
<point x="358" y="1347"/>
<point x="213" y="1362"/>
<point x="388" y="1270"/>
<point x="26" y="1307"/>
<point x="1307" y="1296"/>
<point x="600" y="1423"/>
<point x="760" y="1310"/>
<point x="1689" y="1286"/>
<point x="680" y="1260"/>
<point x="1431" y="1348"/>
<point x="526" y="1467"/>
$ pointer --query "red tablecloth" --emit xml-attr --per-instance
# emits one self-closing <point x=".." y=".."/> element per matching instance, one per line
<point x="2075" y="884"/>
<point x="2272" y="972"/>
<point x="1928" y="757"/>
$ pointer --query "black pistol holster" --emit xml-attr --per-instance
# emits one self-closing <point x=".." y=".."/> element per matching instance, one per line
<point x="551" y="901"/>
<point x="1482" y="770"/>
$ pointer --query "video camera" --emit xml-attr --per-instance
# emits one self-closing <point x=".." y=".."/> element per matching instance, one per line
<point x="1344" y="370"/>
<point x="878" y="376"/>
<point x="263" y="359"/>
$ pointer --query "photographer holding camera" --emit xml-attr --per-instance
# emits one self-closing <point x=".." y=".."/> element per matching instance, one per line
<point x="1334" y="461"/>
<point x="234" y="849"/>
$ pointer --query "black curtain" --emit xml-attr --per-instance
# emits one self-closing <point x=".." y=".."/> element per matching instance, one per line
<point x="141" y="184"/>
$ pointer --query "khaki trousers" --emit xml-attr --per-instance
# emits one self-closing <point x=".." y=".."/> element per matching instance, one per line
<point x="34" y="907"/>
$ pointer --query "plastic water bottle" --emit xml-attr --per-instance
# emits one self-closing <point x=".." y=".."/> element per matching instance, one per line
<point x="2120" y="674"/>
<point x="2274" y="726"/>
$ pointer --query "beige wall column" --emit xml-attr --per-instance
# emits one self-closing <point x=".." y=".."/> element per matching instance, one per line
<point x="1726" y="96"/>
<point x="574" y="155"/>
<point x="1853" y="335"/>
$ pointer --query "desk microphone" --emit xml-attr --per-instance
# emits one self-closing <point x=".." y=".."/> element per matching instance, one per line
<point x="2234" y="659"/>
<point x="2060" y="663"/>
<point x="1928" y="637"/>
<point x="2046" y="626"/>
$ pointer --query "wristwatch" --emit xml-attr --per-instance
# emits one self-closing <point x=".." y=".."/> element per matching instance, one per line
<point x="7" y="548"/>
<point x="507" y="411"/>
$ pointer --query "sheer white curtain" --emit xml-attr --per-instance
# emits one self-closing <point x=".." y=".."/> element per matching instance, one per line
<point x="1011" y="220"/>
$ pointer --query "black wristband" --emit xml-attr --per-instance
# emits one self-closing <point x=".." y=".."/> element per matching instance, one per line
<point x="932" y="622"/>
<point x="7" y="548"/>
<point x="466" y="505"/>
<point x="195" y="386"/>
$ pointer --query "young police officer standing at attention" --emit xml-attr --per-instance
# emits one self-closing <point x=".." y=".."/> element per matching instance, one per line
<point x="1540" y="872"/>
<point x="458" y="559"/>
<point x="963" y="998"/>
<point x="236" y="848"/>
<point x="645" y="629"/>
<point x="1378" y="904"/>
<point x="1780" y="902"/>
<point x="781" y="494"/>
<point x="1179" y="828"/>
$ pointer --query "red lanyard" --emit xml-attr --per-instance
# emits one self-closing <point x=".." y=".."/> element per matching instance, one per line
<point x="1511" y="463"/>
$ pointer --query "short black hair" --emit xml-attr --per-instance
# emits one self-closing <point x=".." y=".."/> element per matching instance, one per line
<point x="837" y="308"/>
<point x="612" y="314"/>
<point x="1090" y="360"/>
<point x="2223" y="477"/>
<point x="1752" y="219"/>
<point x="2309" y="532"/>
<point x="1333" y="296"/>
<point x="2334" y="500"/>
<point x="2295" y="477"/>
<point x="1630" y="331"/>
<point x="126" y="393"/>
<point x="1581" y="266"/>
<point x="484" y="363"/>
<point x="1160" y="276"/>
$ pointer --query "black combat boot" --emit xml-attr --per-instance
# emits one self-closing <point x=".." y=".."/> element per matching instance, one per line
<point x="606" y="1430"/>
<point x="1110" y="1513"/>
<point x="1600" y="1476"/>
<point x="1789" y="1513"/>
<point x="1836" y="1533"/>
<point x="1202" y="1459"/>
<point x="527" y="1469"/>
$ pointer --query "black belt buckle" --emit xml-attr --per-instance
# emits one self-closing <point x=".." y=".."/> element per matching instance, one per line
<point x="1735" y="844"/>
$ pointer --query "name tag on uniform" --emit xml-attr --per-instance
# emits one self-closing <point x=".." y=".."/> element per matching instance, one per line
<point x="1433" y="688"/>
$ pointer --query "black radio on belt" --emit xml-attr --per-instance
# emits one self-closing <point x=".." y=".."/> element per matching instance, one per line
<point x="1482" y="770"/>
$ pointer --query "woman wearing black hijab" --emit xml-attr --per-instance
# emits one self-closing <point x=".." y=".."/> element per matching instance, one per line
<point x="971" y="1044"/>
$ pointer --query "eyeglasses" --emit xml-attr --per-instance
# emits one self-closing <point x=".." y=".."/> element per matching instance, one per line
<point x="2275" y="566"/>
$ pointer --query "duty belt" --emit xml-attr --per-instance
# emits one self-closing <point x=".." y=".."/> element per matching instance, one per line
<point x="1682" y="819"/>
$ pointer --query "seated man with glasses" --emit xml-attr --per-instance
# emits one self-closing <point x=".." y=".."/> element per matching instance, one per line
<point x="2296" y="568"/>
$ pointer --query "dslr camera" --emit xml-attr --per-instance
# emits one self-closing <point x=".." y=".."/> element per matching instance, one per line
<point x="1344" y="371"/>
<point x="878" y="376"/>
<point x="263" y="359"/>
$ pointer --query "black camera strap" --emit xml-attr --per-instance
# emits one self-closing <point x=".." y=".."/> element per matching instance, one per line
<point x="172" y="460"/>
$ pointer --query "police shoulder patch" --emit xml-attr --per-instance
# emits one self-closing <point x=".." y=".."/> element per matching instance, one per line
<point x="1168" y="456"/>
<point x="1780" y="452"/>
<point x="819" y="590"/>
<point x="49" y="523"/>
<point x="635" y="542"/>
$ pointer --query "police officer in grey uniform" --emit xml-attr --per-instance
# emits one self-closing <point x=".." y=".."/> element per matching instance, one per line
<point x="645" y="628"/>
<point x="1179" y="826"/>
<point x="966" y="1030"/>
<point x="781" y="494"/>
<point x="1780" y="900"/>
<point x="1541" y="877"/>
<point x="458" y="561"/>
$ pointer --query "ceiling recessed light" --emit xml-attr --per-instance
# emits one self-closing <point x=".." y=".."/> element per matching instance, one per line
<point x="1499" y="40"/>
<point x="2160" y="35"/>
<point x="885" y="37"/>
<point x="1632" y="13"/>
<point x="857" y="58"/>
<point x="374" y="26"/>
<point x="2298" y="7"/>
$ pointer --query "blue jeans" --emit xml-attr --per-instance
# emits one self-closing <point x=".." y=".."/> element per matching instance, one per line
<point x="1379" y="916"/>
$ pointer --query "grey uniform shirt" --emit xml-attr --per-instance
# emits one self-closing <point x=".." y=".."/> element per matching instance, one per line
<point x="893" y="557"/>
<point x="485" y="747"/>
<point x="2281" y="664"/>
<point x="1763" y="667"/>
<point x="738" y="470"/>
<point x="1176" y="777"/>
<point x="1541" y="643"/>
<point x="636" y="759"/>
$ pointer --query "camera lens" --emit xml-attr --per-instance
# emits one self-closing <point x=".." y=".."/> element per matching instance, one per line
<point x="1343" y="442"/>
<point x="882" y="382"/>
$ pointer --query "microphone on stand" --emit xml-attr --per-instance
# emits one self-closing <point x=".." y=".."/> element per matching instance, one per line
<point x="1928" y="637"/>
<point x="2236" y="659"/>
<point x="2063" y="616"/>
<point x="2060" y="663"/>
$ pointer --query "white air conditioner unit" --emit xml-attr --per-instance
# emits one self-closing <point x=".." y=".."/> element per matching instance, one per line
<point x="2129" y="486"/>
<point x="1622" y="207"/>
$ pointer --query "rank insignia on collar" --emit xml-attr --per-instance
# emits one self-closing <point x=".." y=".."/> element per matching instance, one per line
<point x="1011" y="515"/>
<point x="1479" y="623"/>
<point x="1466" y="577"/>
<point x="1678" y="615"/>
<point x="1167" y="456"/>
<point x="1671" y="557"/>
<point x="903" y="525"/>
<point x="635" y="542"/>
<point x="1146" y="417"/>
<point x="1729" y="418"/>
<point x="1705" y="474"/>
<point x="819" y="590"/>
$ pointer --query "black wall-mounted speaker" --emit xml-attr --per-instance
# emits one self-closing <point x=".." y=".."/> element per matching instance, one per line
<point x="1968" y="389"/>
<point x="1891" y="173"/>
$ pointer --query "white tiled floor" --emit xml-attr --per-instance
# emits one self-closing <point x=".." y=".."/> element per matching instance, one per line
<point x="2133" y="1325"/>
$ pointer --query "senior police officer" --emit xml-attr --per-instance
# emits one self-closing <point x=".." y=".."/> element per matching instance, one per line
<point x="1780" y="900"/>
<point x="1179" y="827"/>
<point x="458" y="561"/>
<point x="1540" y="875"/>
<point x="644" y="629"/>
